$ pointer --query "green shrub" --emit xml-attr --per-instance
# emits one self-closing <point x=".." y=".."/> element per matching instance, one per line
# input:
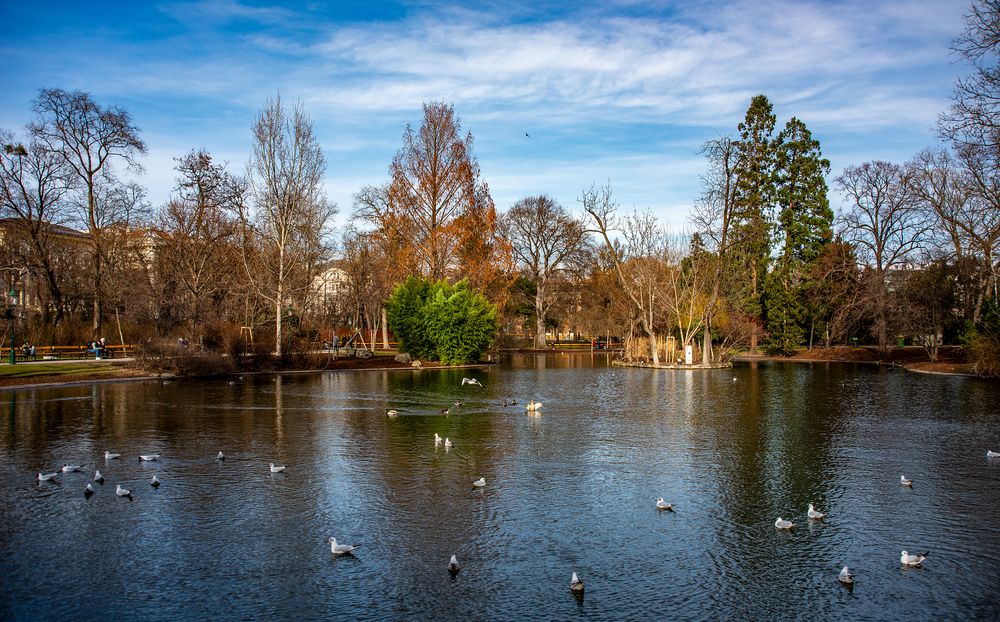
<point x="450" y="323"/>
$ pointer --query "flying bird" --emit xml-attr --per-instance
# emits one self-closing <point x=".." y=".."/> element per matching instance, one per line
<point x="474" y="381"/>
<point x="527" y="134"/>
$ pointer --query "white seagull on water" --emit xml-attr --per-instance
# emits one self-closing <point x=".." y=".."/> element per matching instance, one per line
<point x="479" y="483"/>
<point x="46" y="477"/>
<point x="122" y="492"/>
<point x="474" y="381"/>
<point x="277" y="469"/>
<point x="221" y="456"/>
<point x="437" y="438"/>
<point x="453" y="565"/>
<point x="813" y="514"/>
<point x="98" y="477"/>
<point x="89" y="490"/>
<point x="845" y="576"/>
<point x="783" y="524"/>
<point x="71" y="468"/>
<point x="992" y="454"/>
<point x="663" y="505"/>
<point x="447" y="443"/>
<point x="149" y="457"/>
<point x="155" y="483"/>
<point x="912" y="560"/>
<point x="340" y="549"/>
<point x="110" y="456"/>
<point x="575" y="583"/>
<point x="905" y="482"/>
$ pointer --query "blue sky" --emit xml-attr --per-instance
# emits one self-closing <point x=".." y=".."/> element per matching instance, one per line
<point x="622" y="91"/>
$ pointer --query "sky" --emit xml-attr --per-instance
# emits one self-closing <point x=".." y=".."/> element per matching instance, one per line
<point x="557" y="95"/>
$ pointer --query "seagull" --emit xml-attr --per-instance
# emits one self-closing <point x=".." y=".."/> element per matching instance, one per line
<point x="479" y="483"/>
<point x="277" y="469"/>
<point x="98" y="477"/>
<point x="845" y="576"/>
<point x="437" y="438"/>
<point x="453" y="565"/>
<point x="340" y="549"/>
<point x="149" y="458"/>
<point x="122" y="492"/>
<point x="110" y="456"/>
<point x="71" y="468"/>
<point x="905" y="482"/>
<point x="532" y="406"/>
<point x="46" y="477"/>
<point x="447" y="443"/>
<point x="527" y="134"/>
<point x="783" y="524"/>
<point x="221" y="456"/>
<point x="391" y="412"/>
<point x="444" y="411"/>
<point x="155" y="483"/>
<point x="466" y="381"/>
<point x="89" y="490"/>
<point x="813" y="514"/>
<point x="992" y="454"/>
<point x="576" y="584"/>
<point x="663" y="505"/>
<point x="912" y="560"/>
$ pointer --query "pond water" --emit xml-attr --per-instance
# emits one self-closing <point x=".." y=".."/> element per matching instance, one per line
<point x="572" y="489"/>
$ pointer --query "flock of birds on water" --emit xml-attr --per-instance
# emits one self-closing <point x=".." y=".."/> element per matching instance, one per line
<point x="845" y="576"/>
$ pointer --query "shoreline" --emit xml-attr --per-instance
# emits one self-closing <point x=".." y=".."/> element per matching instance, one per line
<point x="134" y="374"/>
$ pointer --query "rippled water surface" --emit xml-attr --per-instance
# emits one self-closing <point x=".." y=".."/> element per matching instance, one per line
<point x="573" y="489"/>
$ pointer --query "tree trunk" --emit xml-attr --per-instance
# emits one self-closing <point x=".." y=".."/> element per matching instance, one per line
<point x="540" y="316"/>
<point x="385" y="330"/>
<point x="706" y="348"/>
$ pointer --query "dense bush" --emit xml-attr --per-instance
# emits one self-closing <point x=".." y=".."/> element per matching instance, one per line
<point x="449" y="323"/>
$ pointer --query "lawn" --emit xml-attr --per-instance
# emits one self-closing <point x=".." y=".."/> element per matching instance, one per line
<point x="27" y="370"/>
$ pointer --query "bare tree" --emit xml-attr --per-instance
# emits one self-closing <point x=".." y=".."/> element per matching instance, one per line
<point x="974" y="116"/>
<point x="197" y="235"/>
<point x="713" y="217"/>
<point x="33" y="184"/>
<point x="544" y="237"/>
<point x="885" y="225"/>
<point x="89" y="139"/>
<point x="284" y="225"/>
<point x="637" y="261"/>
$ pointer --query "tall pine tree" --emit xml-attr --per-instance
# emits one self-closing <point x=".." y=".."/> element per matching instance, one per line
<point x="754" y="198"/>
<point x="803" y="227"/>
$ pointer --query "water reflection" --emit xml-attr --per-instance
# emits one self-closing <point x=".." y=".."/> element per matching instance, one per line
<point x="570" y="489"/>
